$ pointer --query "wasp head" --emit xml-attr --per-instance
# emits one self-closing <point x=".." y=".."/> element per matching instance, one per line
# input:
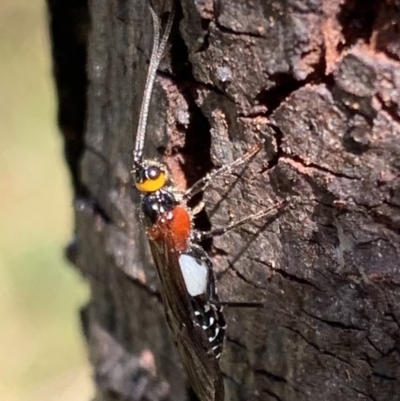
<point x="150" y="176"/>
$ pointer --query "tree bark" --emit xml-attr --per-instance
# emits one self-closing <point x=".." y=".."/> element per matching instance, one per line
<point x="319" y="81"/>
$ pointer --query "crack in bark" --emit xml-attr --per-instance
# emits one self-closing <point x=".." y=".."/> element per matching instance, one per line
<point x="391" y="315"/>
<point x="316" y="347"/>
<point x="390" y="109"/>
<point x="360" y="392"/>
<point x="277" y="379"/>
<point x="296" y="279"/>
<point x="271" y="376"/>
<point x="287" y="275"/>
<point x="244" y="278"/>
<point x="280" y="154"/>
<point x="356" y="19"/>
<point x="319" y="168"/>
<point x="384" y="377"/>
<point x="235" y="342"/>
<point x="284" y="86"/>
<point x="334" y="324"/>
<point x="385" y="202"/>
<point x="379" y="218"/>
<point x="147" y="289"/>
<point x="374" y="346"/>
<point x="272" y="394"/>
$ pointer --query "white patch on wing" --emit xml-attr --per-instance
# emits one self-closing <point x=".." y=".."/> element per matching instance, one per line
<point x="194" y="272"/>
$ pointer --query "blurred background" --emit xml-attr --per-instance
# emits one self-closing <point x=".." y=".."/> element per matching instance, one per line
<point x="42" y="353"/>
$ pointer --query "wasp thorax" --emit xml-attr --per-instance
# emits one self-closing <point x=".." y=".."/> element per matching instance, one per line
<point x="151" y="178"/>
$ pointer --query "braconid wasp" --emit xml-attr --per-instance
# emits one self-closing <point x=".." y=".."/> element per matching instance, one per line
<point x="192" y="307"/>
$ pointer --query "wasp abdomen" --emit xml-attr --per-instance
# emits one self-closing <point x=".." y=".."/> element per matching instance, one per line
<point x="211" y="320"/>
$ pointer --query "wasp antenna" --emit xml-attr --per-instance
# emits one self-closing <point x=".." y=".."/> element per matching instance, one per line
<point x="156" y="55"/>
<point x="167" y="31"/>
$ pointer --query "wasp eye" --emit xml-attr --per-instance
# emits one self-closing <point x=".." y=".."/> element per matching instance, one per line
<point x="153" y="172"/>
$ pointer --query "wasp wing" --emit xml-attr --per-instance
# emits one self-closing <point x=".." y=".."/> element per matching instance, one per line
<point x="201" y="366"/>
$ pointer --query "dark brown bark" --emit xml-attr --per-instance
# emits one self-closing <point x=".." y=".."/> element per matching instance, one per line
<point x="320" y="82"/>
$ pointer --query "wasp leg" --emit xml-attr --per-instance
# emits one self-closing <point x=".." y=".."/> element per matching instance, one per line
<point x="238" y="304"/>
<point x="216" y="232"/>
<point x="204" y="182"/>
<point x="198" y="208"/>
<point x="211" y="297"/>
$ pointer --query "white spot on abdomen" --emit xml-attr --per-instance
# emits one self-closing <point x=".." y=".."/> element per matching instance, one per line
<point x="194" y="272"/>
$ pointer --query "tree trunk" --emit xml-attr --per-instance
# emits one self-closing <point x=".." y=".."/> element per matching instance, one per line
<point x="319" y="81"/>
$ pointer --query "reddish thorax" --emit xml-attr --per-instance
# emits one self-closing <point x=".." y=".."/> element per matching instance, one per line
<point x="174" y="226"/>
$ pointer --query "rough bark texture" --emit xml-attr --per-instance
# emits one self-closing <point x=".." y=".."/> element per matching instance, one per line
<point x="319" y="80"/>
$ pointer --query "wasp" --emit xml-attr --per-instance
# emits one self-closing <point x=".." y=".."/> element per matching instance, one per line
<point x="193" y="310"/>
